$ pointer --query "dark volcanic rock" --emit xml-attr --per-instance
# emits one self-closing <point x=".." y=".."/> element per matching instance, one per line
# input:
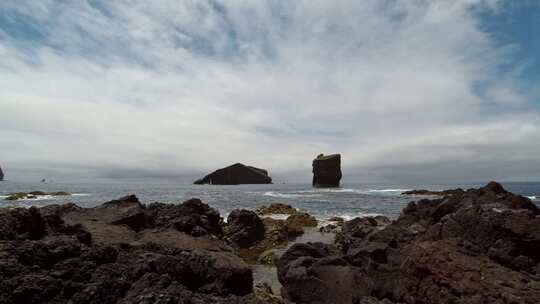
<point x="356" y="230"/>
<point x="235" y="175"/>
<point x="1" y="174"/>
<point x="327" y="170"/>
<point x="276" y="208"/>
<point x="192" y="217"/>
<point x="244" y="228"/>
<point x="127" y="211"/>
<point x="276" y="235"/>
<point x="480" y="246"/>
<point x="22" y="223"/>
<point x="131" y="255"/>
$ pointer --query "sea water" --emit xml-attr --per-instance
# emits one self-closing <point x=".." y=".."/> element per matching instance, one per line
<point x="349" y="201"/>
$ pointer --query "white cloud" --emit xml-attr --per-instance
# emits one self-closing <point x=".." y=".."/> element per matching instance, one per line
<point x="177" y="87"/>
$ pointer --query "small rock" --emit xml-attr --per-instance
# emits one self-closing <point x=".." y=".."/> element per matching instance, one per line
<point x="330" y="228"/>
<point x="268" y="257"/>
<point x="244" y="228"/>
<point x="275" y="209"/>
<point x="296" y="222"/>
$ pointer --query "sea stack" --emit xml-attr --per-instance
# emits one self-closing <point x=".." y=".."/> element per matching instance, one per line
<point x="1" y="174"/>
<point x="327" y="171"/>
<point x="235" y="175"/>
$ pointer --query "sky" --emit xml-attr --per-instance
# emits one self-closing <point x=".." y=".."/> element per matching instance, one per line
<point x="406" y="90"/>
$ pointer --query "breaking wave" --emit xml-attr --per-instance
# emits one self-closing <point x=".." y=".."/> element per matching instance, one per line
<point x="291" y="195"/>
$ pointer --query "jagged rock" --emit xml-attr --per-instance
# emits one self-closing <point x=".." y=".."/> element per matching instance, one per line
<point x="1" y="174"/>
<point x="479" y="246"/>
<point x="327" y="170"/>
<point x="275" y="235"/>
<point x="330" y="228"/>
<point x="127" y="259"/>
<point x="20" y="223"/>
<point x="235" y="175"/>
<point x="192" y="217"/>
<point x="276" y="208"/>
<point x="323" y="285"/>
<point x="244" y="228"/>
<point x="356" y="230"/>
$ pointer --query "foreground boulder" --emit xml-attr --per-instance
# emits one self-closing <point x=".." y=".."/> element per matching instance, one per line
<point x="244" y="228"/>
<point x="480" y="246"/>
<point x="327" y="170"/>
<point x="119" y="252"/>
<point x="192" y="217"/>
<point x="235" y="175"/>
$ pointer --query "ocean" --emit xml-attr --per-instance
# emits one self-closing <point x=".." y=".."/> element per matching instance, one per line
<point x="349" y="201"/>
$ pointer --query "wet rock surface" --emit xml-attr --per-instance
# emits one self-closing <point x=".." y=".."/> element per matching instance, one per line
<point x="276" y="208"/>
<point x="235" y="175"/>
<point x="296" y="223"/>
<point x="275" y="235"/>
<point x="119" y="252"/>
<point x="478" y="246"/>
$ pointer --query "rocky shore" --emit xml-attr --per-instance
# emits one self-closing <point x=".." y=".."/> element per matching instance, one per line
<point x="475" y="246"/>
<point x="125" y="252"/>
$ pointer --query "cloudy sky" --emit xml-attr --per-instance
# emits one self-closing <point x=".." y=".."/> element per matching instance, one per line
<point x="405" y="90"/>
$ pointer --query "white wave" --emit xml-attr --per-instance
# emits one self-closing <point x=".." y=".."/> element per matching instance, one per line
<point x="323" y="221"/>
<point x="348" y="217"/>
<point x="39" y="198"/>
<point x="388" y="190"/>
<point x="361" y="191"/>
<point x="326" y="191"/>
<point x="532" y="198"/>
<point x="277" y="216"/>
<point x="289" y="195"/>
<point x="81" y="194"/>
